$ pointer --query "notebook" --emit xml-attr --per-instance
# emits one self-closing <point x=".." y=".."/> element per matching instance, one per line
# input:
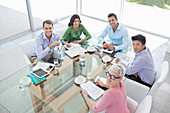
<point x="35" y="79"/>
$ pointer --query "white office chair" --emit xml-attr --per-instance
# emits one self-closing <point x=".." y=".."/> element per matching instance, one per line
<point x="12" y="60"/>
<point x="135" y="90"/>
<point x="27" y="47"/>
<point x="159" y="79"/>
<point x="138" y="91"/>
<point x="143" y="107"/>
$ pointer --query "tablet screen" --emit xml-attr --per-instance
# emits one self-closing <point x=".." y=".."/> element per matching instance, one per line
<point x="40" y="73"/>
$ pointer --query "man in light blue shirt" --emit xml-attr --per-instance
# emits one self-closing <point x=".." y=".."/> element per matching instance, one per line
<point x="142" y="69"/>
<point x="45" y="43"/>
<point x="117" y="34"/>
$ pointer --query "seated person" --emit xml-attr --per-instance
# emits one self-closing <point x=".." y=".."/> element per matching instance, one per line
<point x="45" y="43"/>
<point x="114" y="100"/>
<point x="74" y="31"/>
<point x="117" y="34"/>
<point x="142" y="69"/>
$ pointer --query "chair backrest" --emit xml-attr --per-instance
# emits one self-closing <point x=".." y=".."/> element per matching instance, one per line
<point x="27" y="47"/>
<point x="145" y="105"/>
<point x="132" y="105"/>
<point x="163" y="75"/>
<point x="11" y="61"/>
<point x="135" y="90"/>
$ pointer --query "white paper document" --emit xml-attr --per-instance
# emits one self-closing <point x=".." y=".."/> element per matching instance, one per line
<point x="72" y="46"/>
<point x="93" y="91"/>
<point x="75" y="51"/>
<point x="108" y="51"/>
<point x="47" y="67"/>
<point x="101" y="79"/>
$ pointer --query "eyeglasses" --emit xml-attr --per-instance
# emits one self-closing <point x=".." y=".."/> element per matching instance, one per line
<point x="46" y="28"/>
<point x="112" y="76"/>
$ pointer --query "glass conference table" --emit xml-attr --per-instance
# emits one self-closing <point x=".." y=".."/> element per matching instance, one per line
<point x="58" y="93"/>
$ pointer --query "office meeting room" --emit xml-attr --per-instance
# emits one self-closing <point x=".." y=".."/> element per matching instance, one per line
<point x="84" y="56"/>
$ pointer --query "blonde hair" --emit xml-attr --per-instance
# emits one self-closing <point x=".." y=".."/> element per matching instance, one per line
<point x="119" y="69"/>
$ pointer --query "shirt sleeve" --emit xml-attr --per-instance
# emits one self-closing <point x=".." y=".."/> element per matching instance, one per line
<point x="65" y="36"/>
<point x="125" y="42"/>
<point x="103" y="103"/>
<point x="86" y="33"/>
<point x="134" y="68"/>
<point x="39" y="48"/>
<point x="104" y="33"/>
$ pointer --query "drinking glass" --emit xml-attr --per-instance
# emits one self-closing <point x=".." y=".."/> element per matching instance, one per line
<point x="104" y="64"/>
<point x="101" y="53"/>
<point x="56" y="64"/>
<point x="82" y="58"/>
<point x="89" y="75"/>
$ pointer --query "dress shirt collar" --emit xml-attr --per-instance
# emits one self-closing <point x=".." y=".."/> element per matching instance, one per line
<point x="118" y="28"/>
<point x="45" y="38"/>
<point x="141" y="52"/>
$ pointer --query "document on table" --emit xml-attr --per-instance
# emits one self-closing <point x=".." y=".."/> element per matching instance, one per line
<point x="75" y="51"/>
<point x="72" y="46"/>
<point x="47" y="67"/>
<point x="101" y="79"/>
<point x="93" y="91"/>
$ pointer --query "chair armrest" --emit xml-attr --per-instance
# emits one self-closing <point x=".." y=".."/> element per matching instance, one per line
<point x="132" y="105"/>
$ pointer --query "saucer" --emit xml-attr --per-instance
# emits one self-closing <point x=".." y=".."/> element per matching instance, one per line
<point x="91" y="49"/>
<point x="106" y="58"/>
<point x="80" y="80"/>
<point x="25" y="81"/>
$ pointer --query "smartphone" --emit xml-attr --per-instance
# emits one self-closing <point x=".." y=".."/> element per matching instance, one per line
<point x="49" y="68"/>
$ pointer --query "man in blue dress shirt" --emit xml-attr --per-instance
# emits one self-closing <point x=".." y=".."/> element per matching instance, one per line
<point x="117" y="34"/>
<point x="45" y="43"/>
<point x="142" y="68"/>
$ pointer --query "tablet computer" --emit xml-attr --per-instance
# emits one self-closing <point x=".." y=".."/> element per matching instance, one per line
<point x="40" y="73"/>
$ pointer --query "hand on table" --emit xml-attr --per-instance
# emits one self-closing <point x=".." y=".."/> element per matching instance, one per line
<point x="99" y="82"/>
<point x="105" y="45"/>
<point x="111" y="47"/>
<point x="84" y="92"/>
<point x="68" y="45"/>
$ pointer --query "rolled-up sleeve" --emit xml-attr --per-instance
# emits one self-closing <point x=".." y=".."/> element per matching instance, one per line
<point x="125" y="42"/>
<point x="39" y="48"/>
<point x="86" y="33"/>
<point x="134" y="68"/>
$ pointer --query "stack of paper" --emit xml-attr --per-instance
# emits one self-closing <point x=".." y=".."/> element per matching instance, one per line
<point x="93" y="91"/>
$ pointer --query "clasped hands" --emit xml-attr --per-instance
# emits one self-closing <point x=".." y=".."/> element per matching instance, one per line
<point x="109" y="46"/>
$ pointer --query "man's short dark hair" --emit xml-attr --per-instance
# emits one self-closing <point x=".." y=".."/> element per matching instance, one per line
<point x="112" y="14"/>
<point x="48" y="22"/>
<point x="139" y="37"/>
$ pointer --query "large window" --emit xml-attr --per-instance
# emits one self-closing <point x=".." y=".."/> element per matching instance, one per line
<point x="100" y="8"/>
<point x="51" y="10"/>
<point x="148" y="15"/>
<point x="13" y="18"/>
